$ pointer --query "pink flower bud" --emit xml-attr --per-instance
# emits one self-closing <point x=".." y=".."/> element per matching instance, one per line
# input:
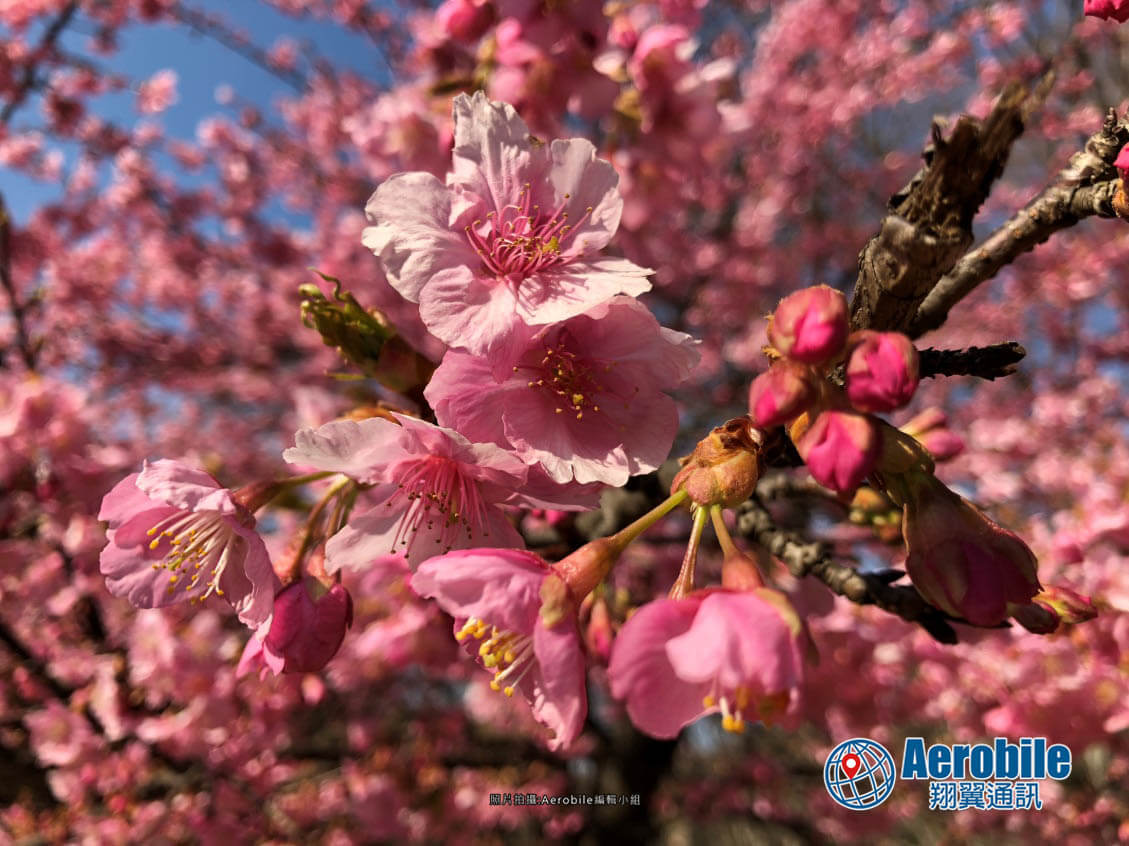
<point x="840" y="449"/>
<point x="780" y="393"/>
<point x="882" y="372"/>
<point x="463" y="20"/>
<point x="306" y="633"/>
<point x="810" y="325"/>
<point x="598" y="635"/>
<point x="1122" y="160"/>
<point x="960" y="560"/>
<point x="1117" y="10"/>
<point x="931" y="429"/>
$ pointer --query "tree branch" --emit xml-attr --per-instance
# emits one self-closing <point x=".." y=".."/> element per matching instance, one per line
<point x="986" y="362"/>
<point x="1084" y="188"/>
<point x="46" y="44"/>
<point x="804" y="558"/>
<point x="18" y="309"/>
<point x="929" y="225"/>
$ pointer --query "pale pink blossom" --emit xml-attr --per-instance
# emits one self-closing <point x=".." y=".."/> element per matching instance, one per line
<point x="434" y="490"/>
<point x="157" y="93"/>
<point x="737" y="652"/>
<point x="510" y="238"/>
<point x="176" y="534"/>
<point x="582" y="398"/>
<point x="495" y="597"/>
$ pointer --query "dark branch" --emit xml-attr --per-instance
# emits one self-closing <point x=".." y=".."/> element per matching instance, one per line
<point x="985" y="362"/>
<point x="17" y="308"/>
<point x="810" y="558"/>
<point x="929" y="225"/>
<point x="1085" y="188"/>
<point x="46" y="45"/>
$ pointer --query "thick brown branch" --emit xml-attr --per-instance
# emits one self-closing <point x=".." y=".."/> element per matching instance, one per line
<point x="804" y="558"/>
<point x="1085" y="188"/>
<point x="929" y="225"/>
<point x="985" y="362"/>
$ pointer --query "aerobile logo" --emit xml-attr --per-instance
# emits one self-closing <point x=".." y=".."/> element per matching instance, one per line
<point x="859" y="773"/>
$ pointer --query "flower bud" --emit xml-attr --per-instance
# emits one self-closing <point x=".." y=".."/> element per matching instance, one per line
<point x="810" y="325"/>
<point x="961" y="561"/>
<point x="1036" y="618"/>
<point x="598" y="635"/>
<point x="840" y="449"/>
<point x="305" y="632"/>
<point x="882" y="371"/>
<point x="780" y="393"/>
<point x="930" y="428"/>
<point x="724" y="467"/>
<point x="1117" y="10"/>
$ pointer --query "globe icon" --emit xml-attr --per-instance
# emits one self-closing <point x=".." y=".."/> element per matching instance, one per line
<point x="859" y="774"/>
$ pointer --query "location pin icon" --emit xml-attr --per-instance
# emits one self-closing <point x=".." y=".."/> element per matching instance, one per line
<point x="850" y="764"/>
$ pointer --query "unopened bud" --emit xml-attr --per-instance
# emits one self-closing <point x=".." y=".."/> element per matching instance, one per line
<point x="840" y="449"/>
<point x="882" y="371"/>
<point x="781" y="393"/>
<point x="810" y="325"/>
<point x="724" y="467"/>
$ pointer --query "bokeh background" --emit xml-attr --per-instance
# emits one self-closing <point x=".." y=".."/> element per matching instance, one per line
<point x="172" y="170"/>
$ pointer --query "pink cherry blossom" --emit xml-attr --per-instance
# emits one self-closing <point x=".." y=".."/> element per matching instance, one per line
<point x="737" y="652"/>
<point x="810" y="325"/>
<point x="582" y="398"/>
<point x="434" y="490"/>
<point x="510" y="238"/>
<point x="157" y="93"/>
<point x="495" y="597"/>
<point x="176" y="534"/>
<point x="304" y="633"/>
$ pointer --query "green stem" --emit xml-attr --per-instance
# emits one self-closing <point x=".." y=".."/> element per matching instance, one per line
<point x="629" y="533"/>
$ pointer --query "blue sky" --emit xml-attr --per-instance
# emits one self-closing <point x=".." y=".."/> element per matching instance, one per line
<point x="202" y="65"/>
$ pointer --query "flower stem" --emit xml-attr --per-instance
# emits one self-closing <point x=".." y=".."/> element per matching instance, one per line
<point x="723" y="537"/>
<point x="685" y="582"/>
<point x="629" y="533"/>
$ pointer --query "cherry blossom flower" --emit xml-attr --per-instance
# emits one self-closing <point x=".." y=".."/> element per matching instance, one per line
<point x="495" y="597"/>
<point x="157" y="93"/>
<point x="737" y="652"/>
<point x="434" y="490"/>
<point x="582" y="398"/>
<point x="175" y="534"/>
<point x="510" y="238"/>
